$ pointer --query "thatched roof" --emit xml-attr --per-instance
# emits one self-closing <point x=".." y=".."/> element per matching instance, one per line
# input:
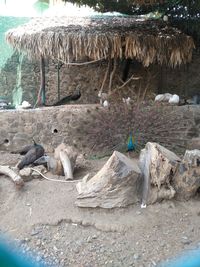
<point x="69" y="39"/>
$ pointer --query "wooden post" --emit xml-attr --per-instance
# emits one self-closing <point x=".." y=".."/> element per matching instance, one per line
<point x="41" y="98"/>
<point x="58" y="79"/>
<point x="160" y="83"/>
<point x="42" y="80"/>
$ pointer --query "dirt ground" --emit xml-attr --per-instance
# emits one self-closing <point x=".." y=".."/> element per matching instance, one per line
<point x="43" y="220"/>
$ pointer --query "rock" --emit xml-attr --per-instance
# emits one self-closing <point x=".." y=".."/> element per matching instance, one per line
<point x="40" y="168"/>
<point x="115" y="185"/>
<point x="38" y="243"/>
<point x="187" y="177"/>
<point x="185" y="240"/>
<point x="157" y="165"/>
<point x="192" y="157"/>
<point x="89" y="239"/>
<point x="136" y="256"/>
<point x="34" y="232"/>
<point x="26" y="172"/>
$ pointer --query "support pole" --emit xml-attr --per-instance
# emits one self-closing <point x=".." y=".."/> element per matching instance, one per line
<point x="58" y="79"/>
<point x="160" y="83"/>
<point x="42" y="80"/>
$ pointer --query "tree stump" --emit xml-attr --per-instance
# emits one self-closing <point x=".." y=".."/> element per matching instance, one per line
<point x="115" y="185"/>
<point x="158" y="166"/>
<point x="187" y="177"/>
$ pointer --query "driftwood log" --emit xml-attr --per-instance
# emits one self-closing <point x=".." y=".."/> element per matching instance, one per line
<point x="115" y="185"/>
<point x="15" y="177"/>
<point x="158" y="166"/>
<point x="63" y="162"/>
<point x="186" y="180"/>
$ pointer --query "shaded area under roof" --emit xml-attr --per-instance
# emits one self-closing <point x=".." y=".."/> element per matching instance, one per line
<point x="71" y="39"/>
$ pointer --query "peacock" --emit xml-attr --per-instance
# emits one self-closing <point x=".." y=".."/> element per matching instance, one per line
<point x="131" y="144"/>
<point x="106" y="130"/>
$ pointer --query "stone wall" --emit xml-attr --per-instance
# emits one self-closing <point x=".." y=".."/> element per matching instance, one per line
<point x="53" y="125"/>
<point x="48" y="126"/>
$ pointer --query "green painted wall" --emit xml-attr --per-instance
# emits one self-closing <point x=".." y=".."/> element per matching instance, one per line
<point x="7" y="23"/>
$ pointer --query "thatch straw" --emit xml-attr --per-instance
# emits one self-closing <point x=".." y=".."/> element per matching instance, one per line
<point x="100" y="38"/>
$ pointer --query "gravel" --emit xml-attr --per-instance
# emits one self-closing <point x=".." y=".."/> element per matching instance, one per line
<point x="78" y="246"/>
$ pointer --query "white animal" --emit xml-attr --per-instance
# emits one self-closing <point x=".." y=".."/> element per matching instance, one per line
<point x="174" y="99"/>
<point x="163" y="97"/>
<point x="106" y="104"/>
<point x="103" y="97"/>
<point x="3" y="104"/>
<point x="24" y="105"/>
<point x="165" y="18"/>
<point x="127" y="100"/>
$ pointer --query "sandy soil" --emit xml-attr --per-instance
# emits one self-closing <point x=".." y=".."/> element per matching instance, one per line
<point x="43" y="219"/>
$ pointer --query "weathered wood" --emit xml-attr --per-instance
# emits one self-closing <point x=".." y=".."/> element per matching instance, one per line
<point x="67" y="156"/>
<point x="16" y="178"/>
<point x="42" y="77"/>
<point x="58" y="79"/>
<point x="115" y="185"/>
<point x="67" y="166"/>
<point x="105" y="76"/>
<point x="41" y="94"/>
<point x="158" y="166"/>
<point x="186" y="180"/>
<point x="112" y="75"/>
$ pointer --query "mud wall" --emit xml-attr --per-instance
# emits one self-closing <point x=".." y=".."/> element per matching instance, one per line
<point x="184" y="80"/>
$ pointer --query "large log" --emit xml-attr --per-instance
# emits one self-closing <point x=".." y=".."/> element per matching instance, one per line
<point x="187" y="177"/>
<point x="115" y="185"/>
<point x="158" y="166"/>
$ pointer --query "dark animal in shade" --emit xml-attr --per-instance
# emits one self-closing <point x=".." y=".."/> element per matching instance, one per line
<point x="33" y="153"/>
<point x="72" y="97"/>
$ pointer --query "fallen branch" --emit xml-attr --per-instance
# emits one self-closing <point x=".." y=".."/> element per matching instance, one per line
<point x="16" y="178"/>
<point x="124" y="84"/>
<point x="54" y="180"/>
<point x="130" y="79"/>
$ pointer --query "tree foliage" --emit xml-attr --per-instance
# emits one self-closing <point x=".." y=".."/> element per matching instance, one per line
<point x="184" y="14"/>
